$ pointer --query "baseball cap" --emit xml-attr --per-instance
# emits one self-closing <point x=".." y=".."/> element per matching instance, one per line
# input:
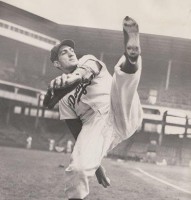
<point x="55" y="49"/>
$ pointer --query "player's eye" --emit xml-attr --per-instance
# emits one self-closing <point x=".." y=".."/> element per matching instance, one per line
<point x="71" y="49"/>
<point x="62" y="52"/>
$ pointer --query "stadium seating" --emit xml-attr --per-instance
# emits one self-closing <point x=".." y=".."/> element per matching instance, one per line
<point x="167" y="153"/>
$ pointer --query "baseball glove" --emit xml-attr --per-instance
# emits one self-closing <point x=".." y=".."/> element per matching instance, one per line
<point x="59" y="87"/>
<point x="62" y="85"/>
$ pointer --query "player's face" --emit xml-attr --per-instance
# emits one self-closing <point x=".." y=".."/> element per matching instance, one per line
<point x="67" y="59"/>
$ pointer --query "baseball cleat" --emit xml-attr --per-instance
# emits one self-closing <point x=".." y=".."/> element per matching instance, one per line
<point x="131" y="39"/>
<point x="102" y="178"/>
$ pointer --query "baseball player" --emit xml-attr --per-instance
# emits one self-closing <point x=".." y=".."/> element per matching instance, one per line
<point x="99" y="109"/>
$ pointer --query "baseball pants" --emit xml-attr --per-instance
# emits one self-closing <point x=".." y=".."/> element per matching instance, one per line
<point x="102" y="132"/>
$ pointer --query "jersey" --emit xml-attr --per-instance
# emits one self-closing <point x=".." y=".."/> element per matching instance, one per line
<point x="88" y="98"/>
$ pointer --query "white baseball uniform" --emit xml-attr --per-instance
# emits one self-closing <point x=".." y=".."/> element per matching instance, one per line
<point x="110" y="110"/>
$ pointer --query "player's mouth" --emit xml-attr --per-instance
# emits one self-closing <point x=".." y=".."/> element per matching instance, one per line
<point x="72" y="59"/>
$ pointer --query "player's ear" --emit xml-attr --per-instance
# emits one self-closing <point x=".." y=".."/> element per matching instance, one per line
<point x="56" y="64"/>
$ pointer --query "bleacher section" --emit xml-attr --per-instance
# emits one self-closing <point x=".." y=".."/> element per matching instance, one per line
<point x="30" y="66"/>
<point x="16" y="127"/>
<point x="21" y="127"/>
<point x="175" y="150"/>
<point x="186" y="152"/>
<point x="12" y="137"/>
<point x="121" y="150"/>
<point x="134" y="148"/>
<point x="138" y="150"/>
<point x="167" y="153"/>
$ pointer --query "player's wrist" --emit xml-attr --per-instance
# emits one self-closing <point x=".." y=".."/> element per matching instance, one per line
<point x="81" y="71"/>
<point x="86" y="73"/>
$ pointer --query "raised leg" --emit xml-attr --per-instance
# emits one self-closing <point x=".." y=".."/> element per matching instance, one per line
<point x="131" y="45"/>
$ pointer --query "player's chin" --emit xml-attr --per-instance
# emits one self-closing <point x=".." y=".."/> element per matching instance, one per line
<point x="72" y="67"/>
<point x="73" y="63"/>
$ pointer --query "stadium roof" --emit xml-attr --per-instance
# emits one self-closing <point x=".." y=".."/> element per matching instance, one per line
<point x="102" y="40"/>
<point x="167" y="17"/>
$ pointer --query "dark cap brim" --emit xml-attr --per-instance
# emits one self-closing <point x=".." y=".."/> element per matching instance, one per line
<point x="55" y="49"/>
<point x="69" y="43"/>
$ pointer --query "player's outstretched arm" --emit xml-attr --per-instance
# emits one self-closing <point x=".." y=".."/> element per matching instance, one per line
<point x="62" y="85"/>
<point x="83" y="73"/>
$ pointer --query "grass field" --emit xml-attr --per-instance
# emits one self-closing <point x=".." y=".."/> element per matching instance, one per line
<point x="35" y="175"/>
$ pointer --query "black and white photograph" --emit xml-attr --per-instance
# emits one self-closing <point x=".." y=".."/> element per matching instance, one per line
<point x="95" y="100"/>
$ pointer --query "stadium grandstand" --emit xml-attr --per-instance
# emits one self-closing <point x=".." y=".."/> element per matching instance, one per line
<point x="25" y="71"/>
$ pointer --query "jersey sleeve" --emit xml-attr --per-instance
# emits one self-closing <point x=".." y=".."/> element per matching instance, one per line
<point x="83" y="63"/>
<point x="66" y="111"/>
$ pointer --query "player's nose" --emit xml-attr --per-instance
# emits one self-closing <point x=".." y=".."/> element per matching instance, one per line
<point x="71" y="53"/>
